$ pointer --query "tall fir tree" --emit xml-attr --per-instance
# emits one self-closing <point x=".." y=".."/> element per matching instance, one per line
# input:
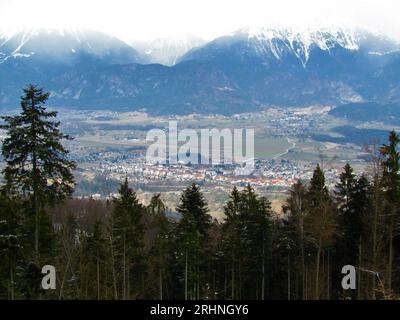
<point x="349" y="219"/>
<point x="391" y="186"/>
<point x="159" y="234"/>
<point x="127" y="240"/>
<point x="295" y="209"/>
<point x="362" y="205"/>
<point x="321" y="223"/>
<point x="97" y="261"/>
<point x="254" y="232"/>
<point x="192" y="234"/>
<point x="230" y="242"/>
<point x="376" y="226"/>
<point x="36" y="161"/>
<point x="349" y="230"/>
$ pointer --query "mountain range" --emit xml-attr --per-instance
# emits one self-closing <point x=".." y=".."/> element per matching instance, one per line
<point x="167" y="51"/>
<point x="247" y="70"/>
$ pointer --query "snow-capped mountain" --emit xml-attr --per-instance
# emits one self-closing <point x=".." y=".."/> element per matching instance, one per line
<point x="167" y="51"/>
<point x="65" y="46"/>
<point x="243" y="71"/>
<point x="282" y="43"/>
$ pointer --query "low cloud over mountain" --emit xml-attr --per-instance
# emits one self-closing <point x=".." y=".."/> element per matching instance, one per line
<point x="244" y="71"/>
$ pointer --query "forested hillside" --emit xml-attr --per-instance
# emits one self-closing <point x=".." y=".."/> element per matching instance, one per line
<point x="124" y="249"/>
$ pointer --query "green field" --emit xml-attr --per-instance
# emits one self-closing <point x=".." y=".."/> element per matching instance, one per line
<point x="267" y="148"/>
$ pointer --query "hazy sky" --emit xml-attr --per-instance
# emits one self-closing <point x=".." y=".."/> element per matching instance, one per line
<point x="150" y="19"/>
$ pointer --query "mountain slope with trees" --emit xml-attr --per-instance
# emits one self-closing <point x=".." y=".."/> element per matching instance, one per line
<point x="123" y="249"/>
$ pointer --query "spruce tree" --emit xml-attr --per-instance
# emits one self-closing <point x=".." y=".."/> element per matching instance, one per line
<point x="36" y="161"/>
<point x="295" y="209"/>
<point x="391" y="187"/>
<point x="376" y="224"/>
<point x="362" y="205"/>
<point x="349" y="230"/>
<point x="192" y="241"/>
<point x="321" y="221"/>
<point x="127" y="235"/>
<point x="97" y="261"/>
<point x="254" y="234"/>
<point x="230" y="240"/>
<point x="349" y="218"/>
<point x="159" y="230"/>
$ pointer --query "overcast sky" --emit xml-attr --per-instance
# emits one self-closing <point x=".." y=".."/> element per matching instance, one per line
<point x="150" y="19"/>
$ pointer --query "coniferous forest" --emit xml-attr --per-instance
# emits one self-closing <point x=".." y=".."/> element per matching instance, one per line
<point x="123" y="249"/>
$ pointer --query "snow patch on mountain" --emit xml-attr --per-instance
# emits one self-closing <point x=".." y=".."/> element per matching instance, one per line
<point x="281" y="41"/>
<point x="61" y="44"/>
<point x="168" y="51"/>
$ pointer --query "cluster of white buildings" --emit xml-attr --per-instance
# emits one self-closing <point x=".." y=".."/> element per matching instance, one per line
<point x="268" y="173"/>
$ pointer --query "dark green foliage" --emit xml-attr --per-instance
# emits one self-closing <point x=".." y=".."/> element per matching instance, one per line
<point x="159" y="237"/>
<point x="36" y="161"/>
<point x="351" y="197"/>
<point x="295" y="237"/>
<point x="349" y="217"/>
<point x="391" y="192"/>
<point x="230" y="242"/>
<point x="12" y="244"/>
<point x="246" y="243"/>
<point x="122" y="249"/>
<point x="127" y="239"/>
<point x="191" y="243"/>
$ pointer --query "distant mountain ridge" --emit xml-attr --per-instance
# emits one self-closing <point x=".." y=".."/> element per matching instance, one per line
<point x="63" y="46"/>
<point x="278" y="43"/>
<point x="167" y="51"/>
<point x="245" y="71"/>
<point x="370" y="111"/>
